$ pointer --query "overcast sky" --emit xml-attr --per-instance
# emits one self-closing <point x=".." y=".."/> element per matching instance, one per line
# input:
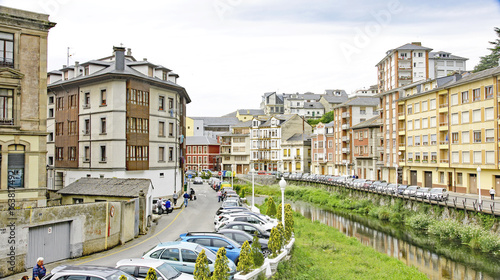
<point x="229" y="52"/>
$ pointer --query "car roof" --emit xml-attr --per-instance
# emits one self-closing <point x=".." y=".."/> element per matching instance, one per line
<point x="243" y="223"/>
<point x="187" y="245"/>
<point x="138" y="261"/>
<point x="102" y="271"/>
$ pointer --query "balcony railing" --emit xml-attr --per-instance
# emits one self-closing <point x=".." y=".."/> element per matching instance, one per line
<point x="443" y="123"/>
<point x="345" y="115"/>
<point x="345" y="126"/>
<point x="444" y="161"/>
<point x="443" y="105"/>
<point x="6" y="121"/>
<point x="444" y="142"/>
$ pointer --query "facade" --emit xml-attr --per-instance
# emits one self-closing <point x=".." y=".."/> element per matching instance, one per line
<point x="323" y="149"/>
<point x="305" y="105"/>
<point x="272" y="103"/>
<point x="332" y="98"/>
<point x="371" y="91"/>
<point x="346" y="115"/>
<point x="367" y="148"/>
<point x="117" y="117"/>
<point x="443" y="64"/>
<point x="266" y="137"/>
<point x="297" y="153"/>
<point x="23" y="97"/>
<point x="211" y="126"/>
<point x="201" y="153"/>
<point x="451" y="130"/>
<point x="235" y="148"/>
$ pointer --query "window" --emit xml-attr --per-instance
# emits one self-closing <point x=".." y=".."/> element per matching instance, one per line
<point x="465" y="157"/>
<point x="50" y="137"/>
<point x="103" y="153"/>
<point x="59" y="128"/>
<point x="103" y="125"/>
<point x="170" y="103"/>
<point x="362" y="110"/>
<point x="161" y="129"/>
<point x="72" y="101"/>
<point x="171" y="154"/>
<point x="59" y="153"/>
<point x="417" y="157"/>
<point x="488" y="92"/>
<point x="103" y="97"/>
<point x="454" y="118"/>
<point x="490" y="157"/>
<point x="86" y="130"/>
<point x="433" y="139"/>
<point x="6" y="50"/>
<point x="171" y="129"/>
<point x="433" y="157"/>
<point x="425" y="140"/>
<point x="51" y="112"/>
<point x="72" y="153"/>
<point x="86" y="154"/>
<point x="161" y="154"/>
<point x="465" y="137"/>
<point x="417" y="107"/>
<point x="161" y="103"/>
<point x="459" y="179"/>
<point x="465" y="97"/>
<point x="410" y="140"/>
<point x="477" y="136"/>
<point x="432" y="104"/>
<point x="417" y="124"/>
<point x="410" y="109"/>
<point x="425" y="123"/>
<point x="490" y="135"/>
<point x="433" y="121"/>
<point x="476" y="115"/>
<point x="86" y="101"/>
<point x="441" y="180"/>
<point x="72" y="128"/>
<point x="425" y="157"/>
<point x="454" y="137"/>
<point x="424" y="106"/>
<point x="476" y="93"/>
<point x="454" y="157"/>
<point x="417" y="140"/>
<point x="478" y="157"/>
<point x="454" y="99"/>
<point x="465" y="117"/>
<point x="488" y="114"/>
<point x="60" y="103"/>
<point x="410" y="125"/>
<point x="410" y="157"/>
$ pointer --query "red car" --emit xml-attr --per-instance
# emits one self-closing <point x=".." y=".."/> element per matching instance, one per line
<point x="263" y="172"/>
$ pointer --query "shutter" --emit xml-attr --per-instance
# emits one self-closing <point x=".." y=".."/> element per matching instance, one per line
<point x="16" y="161"/>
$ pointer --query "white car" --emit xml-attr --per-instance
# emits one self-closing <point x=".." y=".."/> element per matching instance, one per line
<point x="139" y="269"/>
<point x="249" y="217"/>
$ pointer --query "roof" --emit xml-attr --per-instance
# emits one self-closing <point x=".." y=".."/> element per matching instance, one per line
<point x="252" y="112"/>
<point x="201" y="140"/>
<point x="107" y="187"/>
<point x="334" y="96"/>
<point x="361" y="101"/>
<point x="373" y="122"/>
<point x="282" y="118"/>
<point x="405" y="47"/>
<point x="313" y="105"/>
<point x="304" y="96"/>
<point x="299" y="137"/>
<point x="435" y="55"/>
<point x="217" y="121"/>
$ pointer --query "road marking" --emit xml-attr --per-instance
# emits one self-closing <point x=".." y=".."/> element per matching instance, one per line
<point x="147" y="239"/>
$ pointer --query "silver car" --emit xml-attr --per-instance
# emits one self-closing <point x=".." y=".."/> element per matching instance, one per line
<point x="139" y="269"/>
<point x="93" y="272"/>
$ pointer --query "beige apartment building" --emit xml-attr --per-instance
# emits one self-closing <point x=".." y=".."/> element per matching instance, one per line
<point x="235" y="148"/>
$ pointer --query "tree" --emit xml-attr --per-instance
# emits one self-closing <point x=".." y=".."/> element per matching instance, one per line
<point x="275" y="240"/>
<point x="326" y="118"/>
<point x="258" y="257"/>
<point x="201" y="269"/>
<point x="151" y="274"/>
<point x="281" y="231"/>
<point x="289" y="223"/>
<point x="278" y="212"/>
<point x="221" y="266"/>
<point x="245" y="263"/>
<point x="271" y="207"/>
<point x="491" y="60"/>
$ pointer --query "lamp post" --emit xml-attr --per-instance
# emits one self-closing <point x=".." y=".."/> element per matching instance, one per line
<point x="253" y="185"/>
<point x="282" y="186"/>
<point x="232" y="175"/>
<point x="479" y="186"/>
<point x="346" y="168"/>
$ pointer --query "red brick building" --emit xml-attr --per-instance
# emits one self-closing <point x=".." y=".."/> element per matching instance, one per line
<point x="201" y="153"/>
<point x="367" y="148"/>
<point x="323" y="149"/>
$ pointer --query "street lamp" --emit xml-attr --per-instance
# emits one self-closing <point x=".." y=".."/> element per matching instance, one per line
<point x="346" y="168"/>
<point x="282" y="186"/>
<point x="232" y="175"/>
<point x="479" y="186"/>
<point x="253" y="185"/>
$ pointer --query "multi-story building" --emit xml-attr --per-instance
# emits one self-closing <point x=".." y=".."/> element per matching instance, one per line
<point x="371" y="91"/>
<point x="297" y="153"/>
<point x="272" y="103"/>
<point x="450" y="130"/>
<point x="367" y="148"/>
<point x="305" y="105"/>
<point x="266" y="136"/>
<point x="442" y="64"/>
<point x="23" y="114"/>
<point x="210" y="126"/>
<point x="323" y="149"/>
<point x="235" y="148"/>
<point x="118" y="117"/>
<point x="332" y="98"/>
<point x="352" y="112"/>
<point x="201" y="153"/>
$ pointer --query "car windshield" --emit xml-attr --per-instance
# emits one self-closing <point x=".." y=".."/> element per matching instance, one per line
<point x="209" y="253"/>
<point x="436" y="190"/>
<point x="168" y="271"/>
<point x="117" y="275"/>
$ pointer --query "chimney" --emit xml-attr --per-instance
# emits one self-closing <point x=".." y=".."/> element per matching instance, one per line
<point x="416" y="43"/>
<point x="145" y="59"/>
<point x="129" y="52"/>
<point x="119" y="58"/>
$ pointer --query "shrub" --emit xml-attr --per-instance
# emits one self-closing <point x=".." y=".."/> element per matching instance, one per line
<point x="151" y="274"/>
<point x="274" y="243"/>
<point x="271" y="207"/>
<point x="489" y="242"/>
<point x="257" y="256"/>
<point x="201" y="269"/>
<point x="221" y="266"/>
<point x="419" y="221"/>
<point x="288" y="222"/>
<point x="246" y="261"/>
<point x="447" y="229"/>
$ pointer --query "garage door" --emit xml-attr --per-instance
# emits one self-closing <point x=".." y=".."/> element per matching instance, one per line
<point x="50" y="242"/>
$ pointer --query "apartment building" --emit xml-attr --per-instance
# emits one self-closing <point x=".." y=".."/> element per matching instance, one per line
<point x="297" y="153"/>
<point x="117" y="117"/>
<point x="267" y="135"/>
<point x="201" y="153"/>
<point x="352" y="112"/>
<point x="332" y="98"/>
<point x="451" y="133"/>
<point x="306" y="105"/>
<point x="235" y="148"/>
<point x="323" y="149"/>
<point x="442" y="64"/>
<point x="210" y="126"/>
<point x="272" y="103"/>
<point x="23" y="97"/>
<point x="367" y="148"/>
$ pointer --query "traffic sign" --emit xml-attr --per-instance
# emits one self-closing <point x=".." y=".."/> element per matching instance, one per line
<point x="220" y="173"/>
<point x="190" y="176"/>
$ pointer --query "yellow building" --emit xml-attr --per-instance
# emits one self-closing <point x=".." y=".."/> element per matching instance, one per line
<point x="448" y="134"/>
<point x="23" y="99"/>
<point x="189" y="127"/>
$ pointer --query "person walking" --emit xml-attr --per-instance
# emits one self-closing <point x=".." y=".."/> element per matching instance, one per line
<point x="168" y="206"/>
<point x="175" y="196"/>
<point x="186" y="199"/>
<point x="219" y="195"/>
<point x="492" y="193"/>
<point x="159" y="205"/>
<point x="39" y="270"/>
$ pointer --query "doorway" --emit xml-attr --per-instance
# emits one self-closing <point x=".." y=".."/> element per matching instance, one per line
<point x="473" y="183"/>
<point x="428" y="179"/>
<point x="413" y="177"/>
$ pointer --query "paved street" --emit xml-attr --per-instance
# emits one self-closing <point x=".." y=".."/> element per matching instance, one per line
<point x="198" y="216"/>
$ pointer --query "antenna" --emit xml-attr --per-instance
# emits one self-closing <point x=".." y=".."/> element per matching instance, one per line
<point x="68" y="56"/>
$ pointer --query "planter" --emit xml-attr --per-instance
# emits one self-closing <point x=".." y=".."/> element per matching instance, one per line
<point x="289" y="246"/>
<point x="252" y="274"/>
<point x="273" y="263"/>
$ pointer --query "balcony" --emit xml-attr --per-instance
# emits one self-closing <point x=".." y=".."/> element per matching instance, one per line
<point x="297" y="157"/>
<point x="345" y="126"/>
<point x="345" y="139"/>
<point x="444" y="161"/>
<point x="345" y="150"/>
<point x="443" y="145"/>
<point x="401" y="116"/>
<point x="402" y="131"/>
<point x="404" y="67"/>
<point x="402" y="147"/>
<point x="404" y="58"/>
<point x="6" y="121"/>
<point x="345" y="115"/>
<point x="443" y="126"/>
<point x="405" y="78"/>
<point x="225" y="143"/>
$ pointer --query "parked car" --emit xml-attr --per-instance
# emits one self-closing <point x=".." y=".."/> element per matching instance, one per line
<point x="93" y="272"/>
<point x="263" y="172"/>
<point x="197" y="180"/>
<point x="139" y="269"/>
<point x="246" y="217"/>
<point x="411" y="190"/>
<point x="247" y="227"/>
<point x="182" y="256"/>
<point x="440" y="194"/>
<point x="241" y="236"/>
<point x="422" y="193"/>
<point x="229" y="203"/>
<point x="391" y="188"/>
<point x="381" y="187"/>
<point x="214" y="241"/>
<point x="401" y="189"/>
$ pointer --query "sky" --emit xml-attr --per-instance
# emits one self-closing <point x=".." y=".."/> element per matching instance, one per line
<point x="228" y="53"/>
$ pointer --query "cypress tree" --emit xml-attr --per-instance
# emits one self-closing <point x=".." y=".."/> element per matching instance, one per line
<point x="246" y="261"/>
<point x="221" y="266"/>
<point x="201" y="269"/>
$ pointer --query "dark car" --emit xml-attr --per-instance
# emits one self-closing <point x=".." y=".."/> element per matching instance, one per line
<point x="247" y="227"/>
<point x="401" y="189"/>
<point x="241" y="236"/>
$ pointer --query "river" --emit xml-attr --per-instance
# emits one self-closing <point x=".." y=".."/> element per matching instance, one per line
<point x="436" y="259"/>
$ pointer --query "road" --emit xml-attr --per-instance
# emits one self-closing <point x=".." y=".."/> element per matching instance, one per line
<point x="198" y="216"/>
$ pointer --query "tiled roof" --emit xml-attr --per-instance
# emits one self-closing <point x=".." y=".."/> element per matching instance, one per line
<point x="313" y="105"/>
<point x="107" y="187"/>
<point x="373" y="122"/>
<point x="435" y="55"/>
<point x="360" y="101"/>
<point x="299" y="137"/>
<point x="201" y="140"/>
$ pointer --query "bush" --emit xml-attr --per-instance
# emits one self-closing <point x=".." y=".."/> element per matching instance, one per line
<point x="489" y="242"/>
<point x="201" y="269"/>
<point x="271" y="207"/>
<point x="221" y="266"/>
<point x="419" y="221"/>
<point x="447" y="229"/>
<point x="151" y="274"/>
<point x="246" y="261"/>
<point x="274" y="243"/>
<point x="257" y="256"/>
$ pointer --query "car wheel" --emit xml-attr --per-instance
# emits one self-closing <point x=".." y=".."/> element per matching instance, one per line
<point x="266" y="252"/>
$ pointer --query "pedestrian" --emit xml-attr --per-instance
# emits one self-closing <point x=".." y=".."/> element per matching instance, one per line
<point x="168" y="206"/>
<point x="219" y="195"/>
<point x="492" y="193"/>
<point x="159" y="205"/>
<point x="25" y="277"/>
<point x="192" y="195"/>
<point x="186" y="198"/>
<point x="39" y="269"/>
<point x="175" y="196"/>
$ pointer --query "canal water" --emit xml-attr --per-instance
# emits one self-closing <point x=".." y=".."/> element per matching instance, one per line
<point x="436" y="259"/>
